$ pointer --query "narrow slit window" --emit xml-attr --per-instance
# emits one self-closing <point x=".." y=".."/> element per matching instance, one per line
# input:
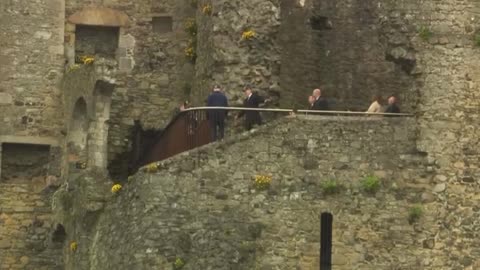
<point x="326" y="220"/>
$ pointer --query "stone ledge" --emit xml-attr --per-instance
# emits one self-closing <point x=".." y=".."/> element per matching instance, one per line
<point x="29" y="140"/>
<point x="100" y="16"/>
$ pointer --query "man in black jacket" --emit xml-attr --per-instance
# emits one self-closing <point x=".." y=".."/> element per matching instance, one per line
<point x="392" y="106"/>
<point x="321" y="103"/>
<point x="252" y="100"/>
<point x="217" y="117"/>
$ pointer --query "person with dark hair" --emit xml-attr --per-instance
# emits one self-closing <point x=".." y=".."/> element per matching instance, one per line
<point x="376" y="106"/>
<point x="252" y="100"/>
<point x="392" y="105"/>
<point x="217" y="117"/>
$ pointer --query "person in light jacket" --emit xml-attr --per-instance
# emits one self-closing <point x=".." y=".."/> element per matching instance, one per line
<point x="377" y="105"/>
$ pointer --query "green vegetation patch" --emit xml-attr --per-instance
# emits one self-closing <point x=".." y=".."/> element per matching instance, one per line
<point x="331" y="186"/>
<point x="415" y="213"/>
<point x="370" y="184"/>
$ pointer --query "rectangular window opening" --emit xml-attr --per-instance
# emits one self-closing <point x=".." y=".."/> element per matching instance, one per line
<point x="24" y="162"/>
<point x="96" y="40"/>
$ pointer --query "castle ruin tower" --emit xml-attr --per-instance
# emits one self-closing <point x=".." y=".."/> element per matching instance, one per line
<point x="31" y="67"/>
<point x="31" y="124"/>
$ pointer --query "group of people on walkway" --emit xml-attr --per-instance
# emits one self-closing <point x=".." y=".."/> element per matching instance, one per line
<point x="378" y="106"/>
<point x="317" y="102"/>
<point x="217" y="117"/>
<point x="252" y="100"/>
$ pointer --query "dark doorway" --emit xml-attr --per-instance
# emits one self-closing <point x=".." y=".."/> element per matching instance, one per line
<point x="326" y="220"/>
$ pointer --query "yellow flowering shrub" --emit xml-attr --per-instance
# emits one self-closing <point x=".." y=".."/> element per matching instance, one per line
<point x="190" y="52"/>
<point x="207" y="9"/>
<point x="116" y="188"/>
<point x="73" y="246"/>
<point x="262" y="181"/>
<point x="249" y="34"/>
<point x="178" y="264"/>
<point x="151" y="168"/>
<point x="191" y="26"/>
<point x="191" y="49"/>
<point x="87" y="60"/>
<point x="73" y="67"/>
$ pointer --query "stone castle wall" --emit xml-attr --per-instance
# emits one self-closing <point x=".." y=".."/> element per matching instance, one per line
<point x="31" y="109"/>
<point x="150" y="72"/>
<point x="423" y="51"/>
<point x="226" y="59"/>
<point x="202" y="206"/>
<point x="26" y="229"/>
<point x="31" y="37"/>
<point x="449" y="111"/>
<point x="352" y="49"/>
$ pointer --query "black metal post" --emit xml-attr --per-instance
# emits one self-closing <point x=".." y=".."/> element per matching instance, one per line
<point x="326" y="221"/>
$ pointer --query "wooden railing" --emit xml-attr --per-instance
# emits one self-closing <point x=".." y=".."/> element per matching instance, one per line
<point x="190" y="129"/>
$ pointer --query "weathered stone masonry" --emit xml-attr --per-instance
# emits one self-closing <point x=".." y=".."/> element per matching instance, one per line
<point x="201" y="206"/>
<point x="424" y="51"/>
<point x="31" y="109"/>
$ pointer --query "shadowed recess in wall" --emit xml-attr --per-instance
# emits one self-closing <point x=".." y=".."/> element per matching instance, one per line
<point x="96" y="40"/>
<point x="59" y="235"/>
<point x="320" y="23"/>
<point x="24" y="162"/>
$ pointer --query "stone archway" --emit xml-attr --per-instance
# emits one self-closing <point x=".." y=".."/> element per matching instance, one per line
<point x="98" y="133"/>
<point x="77" y="135"/>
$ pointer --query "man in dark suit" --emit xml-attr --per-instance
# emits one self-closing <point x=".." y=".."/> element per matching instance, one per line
<point x="216" y="117"/>
<point x="392" y="106"/>
<point x="252" y="100"/>
<point x="321" y="103"/>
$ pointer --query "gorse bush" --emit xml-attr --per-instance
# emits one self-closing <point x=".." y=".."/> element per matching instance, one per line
<point x="370" y="184"/>
<point x="178" y="264"/>
<point x="262" y="182"/>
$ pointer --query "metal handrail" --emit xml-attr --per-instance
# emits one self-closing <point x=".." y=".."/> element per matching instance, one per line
<point x="294" y="111"/>
<point x="190" y="129"/>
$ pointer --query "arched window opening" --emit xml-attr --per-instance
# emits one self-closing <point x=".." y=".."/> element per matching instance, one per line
<point x="326" y="220"/>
